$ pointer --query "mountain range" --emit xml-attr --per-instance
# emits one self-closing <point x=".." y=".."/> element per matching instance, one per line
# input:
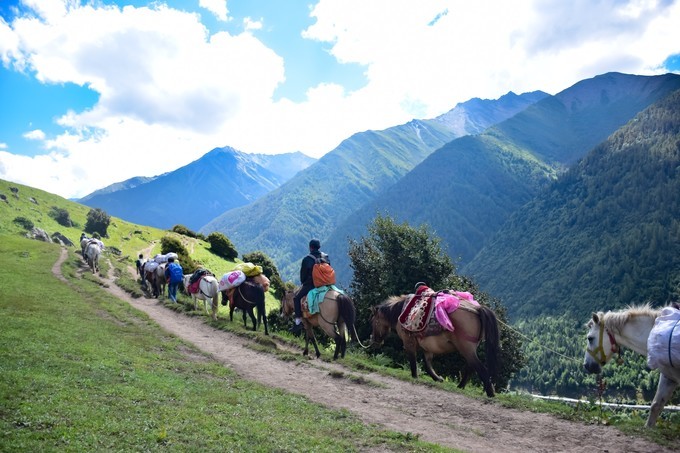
<point x="484" y="177"/>
<point x="315" y="201"/>
<point x="467" y="189"/>
<point x="606" y="234"/>
<point x="193" y="195"/>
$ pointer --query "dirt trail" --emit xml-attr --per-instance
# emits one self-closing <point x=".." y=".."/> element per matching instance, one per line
<point x="437" y="416"/>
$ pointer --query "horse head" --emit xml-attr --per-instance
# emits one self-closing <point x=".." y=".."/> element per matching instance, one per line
<point x="380" y="327"/>
<point x="287" y="304"/>
<point x="601" y="344"/>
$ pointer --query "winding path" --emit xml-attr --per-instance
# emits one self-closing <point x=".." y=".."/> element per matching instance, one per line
<point x="437" y="416"/>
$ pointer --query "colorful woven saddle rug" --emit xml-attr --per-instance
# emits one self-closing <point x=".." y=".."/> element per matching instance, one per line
<point x="418" y="312"/>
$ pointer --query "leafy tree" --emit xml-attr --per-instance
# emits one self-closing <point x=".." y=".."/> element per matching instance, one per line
<point x="269" y="269"/>
<point x="97" y="222"/>
<point x="61" y="216"/>
<point x="220" y="245"/>
<point x="173" y="244"/>
<point x="390" y="260"/>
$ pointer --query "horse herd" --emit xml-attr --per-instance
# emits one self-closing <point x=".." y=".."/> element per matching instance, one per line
<point x="472" y="325"/>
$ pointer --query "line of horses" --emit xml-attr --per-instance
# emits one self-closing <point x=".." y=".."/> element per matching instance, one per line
<point x="473" y="324"/>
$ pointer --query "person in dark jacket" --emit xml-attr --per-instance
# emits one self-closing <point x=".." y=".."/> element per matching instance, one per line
<point x="306" y="280"/>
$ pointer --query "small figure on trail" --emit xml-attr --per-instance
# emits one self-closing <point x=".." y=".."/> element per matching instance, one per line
<point x="307" y="281"/>
<point x="173" y="274"/>
<point x="140" y="266"/>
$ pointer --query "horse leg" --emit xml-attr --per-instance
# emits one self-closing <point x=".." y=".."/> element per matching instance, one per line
<point x="428" y="367"/>
<point x="663" y="395"/>
<point x="214" y="305"/>
<point x="231" y="313"/>
<point x="251" y="312"/>
<point x="309" y="334"/>
<point x="411" y="350"/>
<point x="466" y="376"/>
<point x="483" y="374"/>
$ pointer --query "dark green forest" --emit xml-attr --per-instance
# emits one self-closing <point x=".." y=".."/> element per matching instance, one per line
<point x="604" y="236"/>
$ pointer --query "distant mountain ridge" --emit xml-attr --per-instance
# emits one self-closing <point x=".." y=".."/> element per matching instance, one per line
<point x="192" y="195"/>
<point x="603" y="236"/>
<point x="316" y="200"/>
<point x="466" y="190"/>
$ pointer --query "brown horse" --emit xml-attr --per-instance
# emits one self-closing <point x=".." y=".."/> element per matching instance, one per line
<point x="471" y="324"/>
<point x="336" y="317"/>
<point x="247" y="296"/>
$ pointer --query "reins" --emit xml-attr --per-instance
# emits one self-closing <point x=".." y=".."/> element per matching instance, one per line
<point x="531" y="340"/>
<point x="598" y="353"/>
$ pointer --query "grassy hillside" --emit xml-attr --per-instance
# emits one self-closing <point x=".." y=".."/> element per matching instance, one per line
<point x="605" y="235"/>
<point x="124" y="242"/>
<point x="83" y="371"/>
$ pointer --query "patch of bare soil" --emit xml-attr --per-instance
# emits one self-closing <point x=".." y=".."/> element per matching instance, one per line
<point x="444" y="418"/>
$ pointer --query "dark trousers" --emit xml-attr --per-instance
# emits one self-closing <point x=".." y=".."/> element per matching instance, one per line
<point x="297" y="300"/>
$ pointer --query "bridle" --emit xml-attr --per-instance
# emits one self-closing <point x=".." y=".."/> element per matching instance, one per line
<point x="598" y="353"/>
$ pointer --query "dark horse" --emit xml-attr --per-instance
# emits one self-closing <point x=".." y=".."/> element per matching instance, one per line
<point x="248" y="296"/>
<point x="471" y="323"/>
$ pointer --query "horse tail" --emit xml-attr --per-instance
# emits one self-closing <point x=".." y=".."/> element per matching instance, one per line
<point x="348" y="313"/>
<point x="489" y="324"/>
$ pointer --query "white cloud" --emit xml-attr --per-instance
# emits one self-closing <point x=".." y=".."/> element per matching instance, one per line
<point x="217" y="7"/>
<point x="170" y="90"/>
<point x="252" y="24"/>
<point x="36" y="134"/>
<point x="3" y="146"/>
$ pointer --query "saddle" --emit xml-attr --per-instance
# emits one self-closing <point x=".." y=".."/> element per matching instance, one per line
<point x="418" y="311"/>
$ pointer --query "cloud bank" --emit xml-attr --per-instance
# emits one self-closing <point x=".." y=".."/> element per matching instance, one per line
<point x="170" y="89"/>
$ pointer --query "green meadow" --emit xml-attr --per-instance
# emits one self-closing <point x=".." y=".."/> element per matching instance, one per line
<point x="81" y="370"/>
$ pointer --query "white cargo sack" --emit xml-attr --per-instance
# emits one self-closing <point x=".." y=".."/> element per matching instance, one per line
<point x="164" y="258"/>
<point x="150" y="266"/>
<point x="663" y="343"/>
<point x="231" y="280"/>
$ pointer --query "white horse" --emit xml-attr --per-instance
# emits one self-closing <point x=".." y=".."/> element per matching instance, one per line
<point x="92" y="253"/>
<point x="208" y="291"/>
<point x="629" y="328"/>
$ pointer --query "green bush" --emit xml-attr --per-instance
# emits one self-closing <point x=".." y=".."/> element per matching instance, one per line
<point x="97" y="222"/>
<point x="24" y="222"/>
<point x="61" y="216"/>
<point x="220" y="245"/>
<point x="172" y="244"/>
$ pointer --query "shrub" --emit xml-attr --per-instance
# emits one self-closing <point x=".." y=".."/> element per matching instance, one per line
<point x="220" y="245"/>
<point x="61" y="216"/>
<point x="97" y="222"/>
<point x="172" y="244"/>
<point x="24" y="222"/>
<point x="184" y="231"/>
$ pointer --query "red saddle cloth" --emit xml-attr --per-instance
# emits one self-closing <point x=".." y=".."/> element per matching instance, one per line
<point x="193" y="287"/>
<point x="418" y="311"/>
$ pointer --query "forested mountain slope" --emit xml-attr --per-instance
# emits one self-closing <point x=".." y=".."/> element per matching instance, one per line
<point x="318" y="198"/>
<point x="606" y="234"/>
<point x="467" y="189"/>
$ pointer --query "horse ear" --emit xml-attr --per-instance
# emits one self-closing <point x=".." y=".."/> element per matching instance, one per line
<point x="596" y="320"/>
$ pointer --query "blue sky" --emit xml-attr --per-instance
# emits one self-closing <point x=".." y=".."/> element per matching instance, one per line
<point x="95" y="92"/>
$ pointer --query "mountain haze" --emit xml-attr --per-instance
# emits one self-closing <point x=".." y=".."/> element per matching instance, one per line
<point x="194" y="194"/>
<point x="466" y="190"/>
<point x="605" y="235"/>
<point x="313" y="202"/>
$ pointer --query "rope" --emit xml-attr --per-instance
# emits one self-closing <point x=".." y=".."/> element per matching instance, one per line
<point x="531" y="340"/>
